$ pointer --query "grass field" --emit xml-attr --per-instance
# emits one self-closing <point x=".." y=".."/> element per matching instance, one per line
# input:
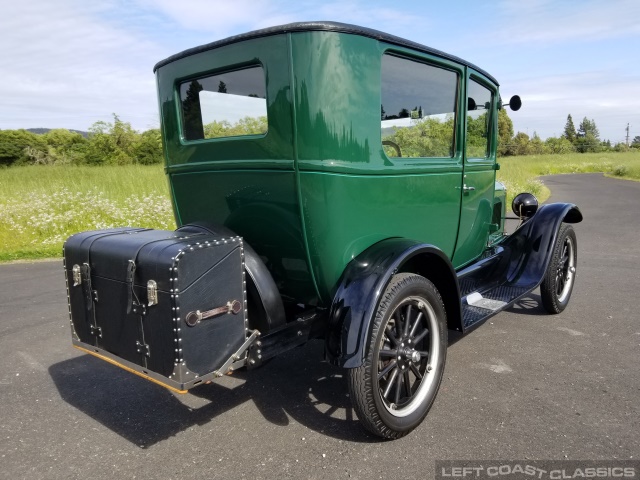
<point x="40" y="206"/>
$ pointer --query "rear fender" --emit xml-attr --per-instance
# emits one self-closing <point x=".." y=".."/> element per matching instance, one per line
<point x="363" y="283"/>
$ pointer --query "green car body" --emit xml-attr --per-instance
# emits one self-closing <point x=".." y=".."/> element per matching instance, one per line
<point x="319" y="188"/>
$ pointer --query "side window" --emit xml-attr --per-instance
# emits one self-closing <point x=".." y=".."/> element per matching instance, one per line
<point x="418" y="108"/>
<point x="479" y="103"/>
<point x="229" y="104"/>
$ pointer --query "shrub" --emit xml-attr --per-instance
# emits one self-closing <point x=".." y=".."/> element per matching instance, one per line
<point x="620" y="171"/>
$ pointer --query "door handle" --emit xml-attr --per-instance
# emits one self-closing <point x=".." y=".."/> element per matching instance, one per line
<point x="467" y="189"/>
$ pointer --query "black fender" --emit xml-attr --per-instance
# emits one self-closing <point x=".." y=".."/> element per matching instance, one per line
<point x="529" y="249"/>
<point x="266" y="310"/>
<point x="517" y="265"/>
<point x="363" y="283"/>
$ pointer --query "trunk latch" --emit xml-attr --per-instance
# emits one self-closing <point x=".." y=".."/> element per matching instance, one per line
<point x="77" y="275"/>
<point x="152" y="293"/>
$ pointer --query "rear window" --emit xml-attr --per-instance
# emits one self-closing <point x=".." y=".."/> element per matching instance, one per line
<point x="228" y="104"/>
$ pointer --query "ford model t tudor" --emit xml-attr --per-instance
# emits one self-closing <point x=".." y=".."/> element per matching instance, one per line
<point x="331" y="182"/>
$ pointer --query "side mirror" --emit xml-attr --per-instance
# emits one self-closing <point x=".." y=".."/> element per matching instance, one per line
<point x="515" y="103"/>
<point x="471" y="104"/>
<point x="524" y="205"/>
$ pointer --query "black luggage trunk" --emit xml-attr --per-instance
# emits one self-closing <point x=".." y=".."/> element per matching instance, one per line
<point x="142" y="299"/>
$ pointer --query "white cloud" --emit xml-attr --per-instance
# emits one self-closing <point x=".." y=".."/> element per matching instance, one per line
<point x="548" y="21"/>
<point x="65" y="67"/>
<point x="225" y="19"/>
<point x="219" y="18"/>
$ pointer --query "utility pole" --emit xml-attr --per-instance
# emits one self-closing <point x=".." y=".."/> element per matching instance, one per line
<point x="627" y="134"/>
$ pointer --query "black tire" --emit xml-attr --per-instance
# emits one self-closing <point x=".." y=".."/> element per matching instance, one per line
<point x="557" y="285"/>
<point x="395" y="387"/>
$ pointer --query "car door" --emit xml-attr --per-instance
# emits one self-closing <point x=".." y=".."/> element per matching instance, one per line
<point x="479" y="170"/>
<point x="422" y="121"/>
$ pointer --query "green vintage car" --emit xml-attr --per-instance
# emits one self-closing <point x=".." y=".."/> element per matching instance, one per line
<point x="358" y="169"/>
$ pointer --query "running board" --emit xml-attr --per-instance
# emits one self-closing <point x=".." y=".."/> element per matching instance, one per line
<point x="491" y="302"/>
<point x="513" y="268"/>
<point x="488" y="287"/>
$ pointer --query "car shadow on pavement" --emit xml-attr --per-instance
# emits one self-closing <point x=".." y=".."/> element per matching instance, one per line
<point x="530" y="304"/>
<point x="296" y="385"/>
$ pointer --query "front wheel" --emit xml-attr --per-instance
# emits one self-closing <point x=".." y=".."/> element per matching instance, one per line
<point x="394" y="389"/>
<point x="557" y="285"/>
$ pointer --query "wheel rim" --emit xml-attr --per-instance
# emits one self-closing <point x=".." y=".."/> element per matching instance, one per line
<point x="408" y="357"/>
<point x="565" y="271"/>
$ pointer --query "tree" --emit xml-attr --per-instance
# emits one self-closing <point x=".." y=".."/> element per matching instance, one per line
<point x="588" y="144"/>
<point x="222" y="87"/>
<point x="477" y="136"/>
<point x="112" y="143"/>
<point x="520" y="145"/>
<point x="569" y="130"/>
<point x="427" y="137"/>
<point x="62" y="147"/>
<point x="588" y="127"/>
<point x="636" y="142"/>
<point x="505" y="132"/>
<point x="148" y="147"/>
<point x="14" y="144"/>
<point x="244" y="126"/>
<point x="537" y="146"/>
<point x="63" y="139"/>
<point x="559" y="145"/>
<point x="621" y="147"/>
<point x="108" y="143"/>
<point x="191" y="114"/>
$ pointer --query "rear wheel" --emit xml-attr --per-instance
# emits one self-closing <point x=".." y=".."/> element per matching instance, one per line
<point x="395" y="387"/>
<point x="557" y="285"/>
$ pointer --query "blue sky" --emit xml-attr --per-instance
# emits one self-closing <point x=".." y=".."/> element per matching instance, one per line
<point x="70" y="63"/>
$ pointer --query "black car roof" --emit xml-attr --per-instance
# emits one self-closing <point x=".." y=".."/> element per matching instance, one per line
<point x="320" y="26"/>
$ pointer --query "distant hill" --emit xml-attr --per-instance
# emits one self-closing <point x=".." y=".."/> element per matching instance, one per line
<point x="41" y="131"/>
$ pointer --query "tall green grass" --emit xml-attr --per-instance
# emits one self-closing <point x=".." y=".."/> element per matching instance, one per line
<point x="40" y="206"/>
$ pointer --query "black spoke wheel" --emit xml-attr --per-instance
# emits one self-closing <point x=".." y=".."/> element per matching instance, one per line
<point x="557" y="285"/>
<point x="395" y="387"/>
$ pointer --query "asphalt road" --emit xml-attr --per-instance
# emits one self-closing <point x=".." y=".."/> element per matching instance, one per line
<point x="525" y="385"/>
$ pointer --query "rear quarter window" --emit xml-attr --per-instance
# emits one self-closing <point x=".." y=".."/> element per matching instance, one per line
<point x="228" y="104"/>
